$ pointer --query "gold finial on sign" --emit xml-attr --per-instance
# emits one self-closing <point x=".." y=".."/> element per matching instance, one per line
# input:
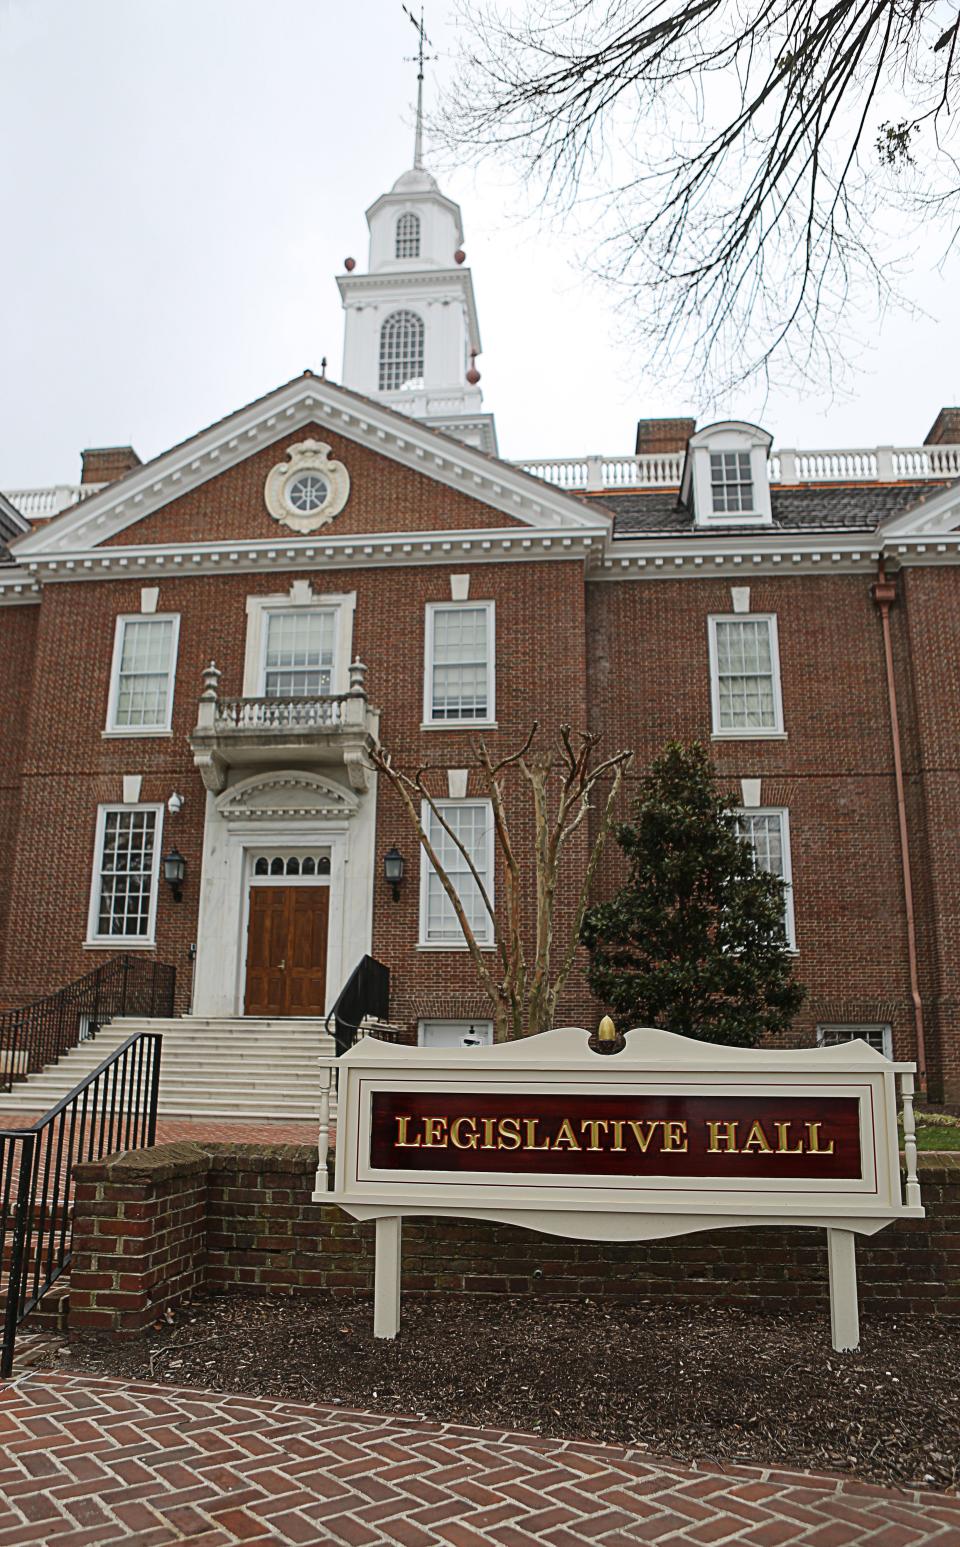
<point x="606" y="1031"/>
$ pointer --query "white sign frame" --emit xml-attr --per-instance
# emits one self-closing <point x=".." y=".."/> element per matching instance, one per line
<point x="622" y="1207"/>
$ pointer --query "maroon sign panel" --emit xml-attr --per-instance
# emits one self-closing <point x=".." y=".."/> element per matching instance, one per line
<point x="785" y="1137"/>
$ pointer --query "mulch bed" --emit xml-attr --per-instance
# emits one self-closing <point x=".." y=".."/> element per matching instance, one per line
<point x="719" y="1383"/>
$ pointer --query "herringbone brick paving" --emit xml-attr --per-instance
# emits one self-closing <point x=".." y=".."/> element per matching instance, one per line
<point x="108" y="1461"/>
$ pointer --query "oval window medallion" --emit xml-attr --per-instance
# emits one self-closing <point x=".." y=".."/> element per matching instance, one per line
<point x="308" y="489"/>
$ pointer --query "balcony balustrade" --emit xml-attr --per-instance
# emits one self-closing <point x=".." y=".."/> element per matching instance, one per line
<point x="258" y="733"/>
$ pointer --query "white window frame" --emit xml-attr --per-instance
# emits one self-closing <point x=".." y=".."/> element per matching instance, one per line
<point x="775" y="732"/>
<point x="789" y="921"/>
<point x="477" y="1022"/>
<point x="489" y="720"/>
<point x="95" y="941"/>
<point x="255" y="654"/>
<point x="857" y="1028"/>
<point x="697" y="490"/>
<point x="424" y="943"/>
<point x="164" y="729"/>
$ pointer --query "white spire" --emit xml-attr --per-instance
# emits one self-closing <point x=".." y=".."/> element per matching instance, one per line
<point x="421" y="40"/>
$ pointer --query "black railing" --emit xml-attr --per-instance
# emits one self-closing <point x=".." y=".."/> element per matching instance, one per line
<point x="366" y="993"/>
<point x="36" y="1034"/>
<point x="114" y="1108"/>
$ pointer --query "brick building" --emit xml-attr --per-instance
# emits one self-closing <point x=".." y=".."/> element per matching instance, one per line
<point x="198" y="651"/>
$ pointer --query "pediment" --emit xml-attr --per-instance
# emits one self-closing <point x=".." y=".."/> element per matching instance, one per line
<point x="293" y="795"/>
<point x="477" y="491"/>
<point x="936" y="515"/>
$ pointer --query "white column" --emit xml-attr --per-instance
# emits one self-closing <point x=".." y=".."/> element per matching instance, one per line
<point x="386" y="1278"/>
<point x="844" y="1310"/>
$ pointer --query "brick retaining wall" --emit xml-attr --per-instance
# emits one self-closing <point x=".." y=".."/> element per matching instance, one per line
<point x="155" y="1225"/>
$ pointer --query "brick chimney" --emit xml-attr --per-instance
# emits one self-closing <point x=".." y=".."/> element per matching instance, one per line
<point x="658" y="435"/>
<point x="105" y="464"/>
<point x="945" y="429"/>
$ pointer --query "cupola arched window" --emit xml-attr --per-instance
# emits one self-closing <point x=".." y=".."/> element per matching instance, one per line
<point x="408" y="236"/>
<point x="401" y="351"/>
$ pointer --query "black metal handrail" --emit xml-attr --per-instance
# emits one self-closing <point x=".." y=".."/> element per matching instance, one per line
<point x="366" y="993"/>
<point x="115" y="1107"/>
<point x="33" y="1035"/>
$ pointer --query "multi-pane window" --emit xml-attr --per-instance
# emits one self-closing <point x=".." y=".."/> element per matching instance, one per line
<point x="299" y="648"/>
<point x="768" y="834"/>
<point x="401" y="352"/>
<point x="745" y="672"/>
<point x="455" y="1033"/>
<point x="459" y="657"/>
<point x="731" y="483"/>
<point x="879" y="1037"/>
<point x="141" y="692"/>
<point x="408" y="236"/>
<point x="472" y="823"/>
<point x="126" y="871"/>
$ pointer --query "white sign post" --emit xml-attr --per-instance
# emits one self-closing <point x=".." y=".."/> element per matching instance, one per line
<point x="664" y="1137"/>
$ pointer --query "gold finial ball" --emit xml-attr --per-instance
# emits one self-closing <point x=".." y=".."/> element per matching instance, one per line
<point x="606" y="1031"/>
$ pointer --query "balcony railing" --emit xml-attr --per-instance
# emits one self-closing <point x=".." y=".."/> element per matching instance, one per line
<point x="879" y="464"/>
<point x="250" y="733"/>
<point x="40" y="504"/>
<point x="282" y="713"/>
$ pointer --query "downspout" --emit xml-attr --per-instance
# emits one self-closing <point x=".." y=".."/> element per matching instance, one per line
<point x="884" y="593"/>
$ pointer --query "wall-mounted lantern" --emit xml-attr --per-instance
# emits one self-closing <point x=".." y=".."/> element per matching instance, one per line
<point x="174" y="871"/>
<point x="393" y="871"/>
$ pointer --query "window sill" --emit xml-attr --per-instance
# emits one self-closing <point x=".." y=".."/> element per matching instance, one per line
<point x="134" y="734"/>
<point x="120" y="944"/>
<point x="732" y="518"/>
<point x="748" y="735"/>
<point x="442" y="945"/>
<point x="459" y="725"/>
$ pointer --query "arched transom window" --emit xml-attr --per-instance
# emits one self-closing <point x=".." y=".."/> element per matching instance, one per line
<point x="408" y="236"/>
<point x="401" y="352"/>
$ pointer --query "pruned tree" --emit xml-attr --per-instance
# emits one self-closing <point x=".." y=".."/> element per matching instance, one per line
<point x="528" y="969"/>
<point x="694" y="942"/>
<point x="743" y="160"/>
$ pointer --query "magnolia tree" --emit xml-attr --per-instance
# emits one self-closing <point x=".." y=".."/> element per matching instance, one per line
<point x="525" y="974"/>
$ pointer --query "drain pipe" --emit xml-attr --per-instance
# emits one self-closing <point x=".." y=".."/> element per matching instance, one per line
<point x="884" y="593"/>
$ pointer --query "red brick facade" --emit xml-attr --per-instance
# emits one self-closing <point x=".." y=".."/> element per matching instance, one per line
<point x="626" y="656"/>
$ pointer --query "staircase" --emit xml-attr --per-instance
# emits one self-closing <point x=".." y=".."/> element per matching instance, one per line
<point x="236" y="1066"/>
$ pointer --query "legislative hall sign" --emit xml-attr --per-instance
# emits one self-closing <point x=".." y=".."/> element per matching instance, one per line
<point x="663" y="1137"/>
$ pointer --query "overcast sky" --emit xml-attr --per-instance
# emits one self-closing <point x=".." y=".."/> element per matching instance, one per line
<point x="181" y="181"/>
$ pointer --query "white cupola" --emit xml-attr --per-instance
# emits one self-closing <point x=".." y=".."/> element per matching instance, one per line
<point x="411" y="334"/>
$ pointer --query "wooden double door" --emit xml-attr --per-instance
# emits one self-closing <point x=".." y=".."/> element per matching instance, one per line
<point x="287" y="950"/>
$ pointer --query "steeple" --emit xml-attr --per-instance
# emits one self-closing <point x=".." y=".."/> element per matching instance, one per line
<point x="411" y="334"/>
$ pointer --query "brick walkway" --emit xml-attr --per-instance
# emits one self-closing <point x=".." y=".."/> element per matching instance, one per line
<point x="102" y="1462"/>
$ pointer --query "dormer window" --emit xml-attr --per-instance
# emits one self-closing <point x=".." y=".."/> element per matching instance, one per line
<point x="725" y="479"/>
<point x="731" y="485"/>
<point x="408" y="236"/>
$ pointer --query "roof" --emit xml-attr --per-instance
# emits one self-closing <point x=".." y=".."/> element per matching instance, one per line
<point x="815" y="507"/>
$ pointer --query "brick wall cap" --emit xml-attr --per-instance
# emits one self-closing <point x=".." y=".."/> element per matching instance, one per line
<point x="933" y="1163"/>
<point x="245" y="1157"/>
<point x="159" y="1164"/>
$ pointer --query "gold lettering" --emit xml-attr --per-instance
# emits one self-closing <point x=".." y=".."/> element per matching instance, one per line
<point x="813" y="1132"/>
<point x="488" y="1125"/>
<point x="617" y="1125"/>
<point x="643" y="1139"/>
<point x="456" y="1127"/>
<point x="726" y="1140"/>
<point x="435" y="1132"/>
<point x="757" y="1139"/>
<point x="530" y="1123"/>
<point x="673" y="1132"/>
<point x="566" y="1136"/>
<point x="783" y="1138"/>
<point x="403" y="1143"/>
<point x="509" y="1131"/>
<point x="593" y="1126"/>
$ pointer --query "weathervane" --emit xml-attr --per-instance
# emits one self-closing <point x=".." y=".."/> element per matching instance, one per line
<point x="418" y="59"/>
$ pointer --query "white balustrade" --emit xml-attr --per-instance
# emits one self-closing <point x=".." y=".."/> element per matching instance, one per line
<point x="281" y="713"/>
<point x="843" y="465"/>
<point x="40" y="503"/>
